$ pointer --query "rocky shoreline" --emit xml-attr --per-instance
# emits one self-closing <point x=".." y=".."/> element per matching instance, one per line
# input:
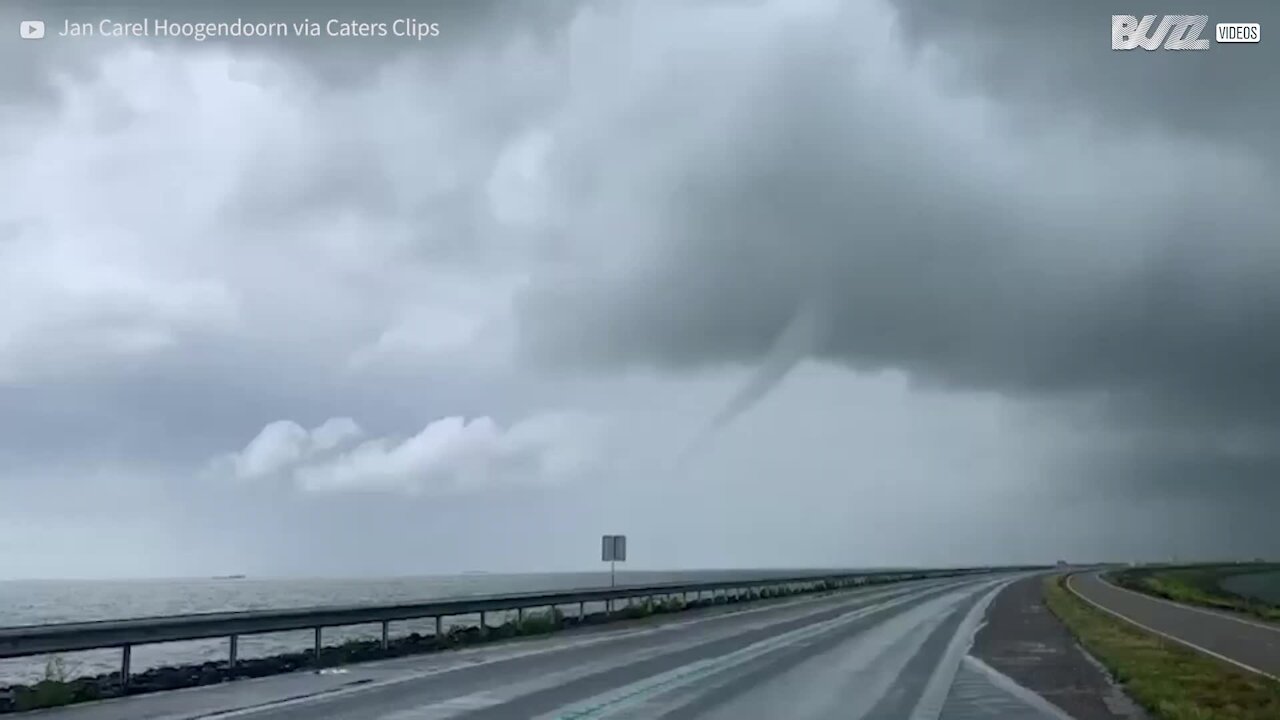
<point x="55" y="692"/>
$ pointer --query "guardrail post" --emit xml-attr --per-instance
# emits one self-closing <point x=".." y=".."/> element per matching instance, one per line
<point x="386" y="634"/>
<point x="235" y="646"/>
<point x="126" y="654"/>
<point x="317" y="648"/>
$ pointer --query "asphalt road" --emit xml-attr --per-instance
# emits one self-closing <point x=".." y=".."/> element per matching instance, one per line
<point x="1023" y="639"/>
<point x="1250" y="644"/>
<point x="898" y="652"/>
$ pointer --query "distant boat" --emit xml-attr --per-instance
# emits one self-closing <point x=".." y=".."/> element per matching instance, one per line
<point x="228" y="577"/>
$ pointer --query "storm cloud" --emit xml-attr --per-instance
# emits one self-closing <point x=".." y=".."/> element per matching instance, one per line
<point x="1042" y="241"/>
<point x="375" y="295"/>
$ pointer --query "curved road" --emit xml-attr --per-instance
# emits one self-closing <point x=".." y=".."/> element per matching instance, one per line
<point x="1249" y="644"/>
<point x="895" y="652"/>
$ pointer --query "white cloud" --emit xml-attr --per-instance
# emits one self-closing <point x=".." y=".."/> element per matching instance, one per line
<point x="335" y="432"/>
<point x="449" y="456"/>
<point x="456" y="455"/>
<point x="284" y="443"/>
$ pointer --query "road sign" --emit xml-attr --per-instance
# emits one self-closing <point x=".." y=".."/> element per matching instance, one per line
<point x="613" y="548"/>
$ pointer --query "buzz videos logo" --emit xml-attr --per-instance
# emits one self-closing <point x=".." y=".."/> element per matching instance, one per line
<point x="1176" y="32"/>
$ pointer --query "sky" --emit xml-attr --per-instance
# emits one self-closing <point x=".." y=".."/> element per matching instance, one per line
<point x="758" y="283"/>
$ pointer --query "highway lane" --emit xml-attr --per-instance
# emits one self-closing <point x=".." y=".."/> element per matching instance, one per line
<point x="897" y="652"/>
<point x="1250" y="644"/>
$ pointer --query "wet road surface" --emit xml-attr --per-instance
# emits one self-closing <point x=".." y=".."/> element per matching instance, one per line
<point x="897" y="652"/>
<point x="1023" y="639"/>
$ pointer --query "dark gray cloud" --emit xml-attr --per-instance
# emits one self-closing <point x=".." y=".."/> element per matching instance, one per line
<point x="1045" y="57"/>
<point x="1094" y="255"/>
<point x="1033" y="294"/>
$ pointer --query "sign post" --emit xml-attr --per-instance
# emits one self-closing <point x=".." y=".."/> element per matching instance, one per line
<point x="613" y="549"/>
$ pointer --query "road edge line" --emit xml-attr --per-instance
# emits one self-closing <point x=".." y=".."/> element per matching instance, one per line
<point x="1166" y="636"/>
<point x="934" y="695"/>
<point x="1195" y="608"/>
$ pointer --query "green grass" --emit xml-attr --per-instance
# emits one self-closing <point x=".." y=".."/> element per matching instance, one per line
<point x="1171" y="681"/>
<point x="1199" y="585"/>
<point x="539" y="622"/>
<point x="53" y="690"/>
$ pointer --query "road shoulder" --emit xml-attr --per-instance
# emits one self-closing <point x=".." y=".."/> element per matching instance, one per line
<point x="1023" y="640"/>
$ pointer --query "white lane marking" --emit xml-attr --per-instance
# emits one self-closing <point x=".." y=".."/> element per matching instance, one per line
<point x="934" y="695"/>
<point x="621" y="698"/>
<point x="1167" y="636"/>
<point x="864" y="593"/>
<point x="885" y="675"/>
<point x="446" y="709"/>
<point x="1011" y="686"/>
<point x="859" y="662"/>
<point x="460" y="705"/>
<point x="1204" y="611"/>
<point x="510" y="692"/>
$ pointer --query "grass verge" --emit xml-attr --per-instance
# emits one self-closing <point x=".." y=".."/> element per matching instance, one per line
<point x="1199" y="585"/>
<point x="1171" y="681"/>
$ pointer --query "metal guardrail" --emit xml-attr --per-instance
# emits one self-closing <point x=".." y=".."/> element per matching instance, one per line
<point x="21" y="641"/>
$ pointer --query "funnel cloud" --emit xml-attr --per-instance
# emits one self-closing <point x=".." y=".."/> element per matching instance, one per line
<point x="798" y="339"/>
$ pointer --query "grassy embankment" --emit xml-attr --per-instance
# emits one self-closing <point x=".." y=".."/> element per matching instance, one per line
<point x="1171" y="681"/>
<point x="1200" y="585"/>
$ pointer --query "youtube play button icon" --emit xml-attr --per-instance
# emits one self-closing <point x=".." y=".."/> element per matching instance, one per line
<point x="31" y="29"/>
